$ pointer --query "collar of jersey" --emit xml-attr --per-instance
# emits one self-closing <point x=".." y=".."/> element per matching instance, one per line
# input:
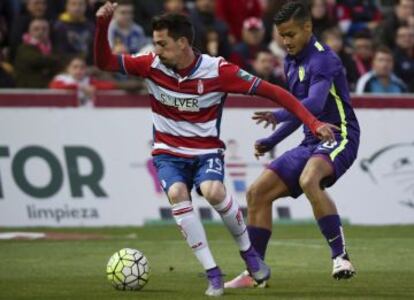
<point x="193" y="70"/>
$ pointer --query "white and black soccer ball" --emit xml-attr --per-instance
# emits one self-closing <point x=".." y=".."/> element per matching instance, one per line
<point x="128" y="269"/>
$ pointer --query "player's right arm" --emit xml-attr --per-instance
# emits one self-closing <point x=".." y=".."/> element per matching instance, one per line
<point x="138" y="65"/>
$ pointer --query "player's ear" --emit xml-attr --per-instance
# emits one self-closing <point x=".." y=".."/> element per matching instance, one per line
<point x="182" y="42"/>
<point x="307" y="26"/>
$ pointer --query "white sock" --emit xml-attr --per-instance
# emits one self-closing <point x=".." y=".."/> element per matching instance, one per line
<point x="232" y="216"/>
<point x="193" y="232"/>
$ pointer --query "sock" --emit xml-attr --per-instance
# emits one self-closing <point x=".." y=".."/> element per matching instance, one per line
<point x="260" y="238"/>
<point x="232" y="217"/>
<point x="193" y="231"/>
<point x="331" y="228"/>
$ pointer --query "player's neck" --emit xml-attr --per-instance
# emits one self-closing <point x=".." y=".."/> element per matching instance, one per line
<point x="186" y="60"/>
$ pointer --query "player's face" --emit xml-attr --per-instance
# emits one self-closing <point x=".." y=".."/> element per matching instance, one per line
<point x="294" y="35"/>
<point x="168" y="49"/>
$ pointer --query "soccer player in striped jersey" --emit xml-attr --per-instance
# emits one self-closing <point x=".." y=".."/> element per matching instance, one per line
<point x="187" y="91"/>
<point x="316" y="76"/>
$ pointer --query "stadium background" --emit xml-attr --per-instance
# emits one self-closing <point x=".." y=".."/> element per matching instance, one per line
<point x="78" y="156"/>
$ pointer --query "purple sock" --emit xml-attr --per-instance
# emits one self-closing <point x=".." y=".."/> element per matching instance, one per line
<point x="259" y="238"/>
<point x="331" y="228"/>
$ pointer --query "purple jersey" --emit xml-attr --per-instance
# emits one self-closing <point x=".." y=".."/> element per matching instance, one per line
<point x="317" y="77"/>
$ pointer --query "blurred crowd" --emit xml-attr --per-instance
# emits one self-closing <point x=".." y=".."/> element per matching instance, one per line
<point x="49" y="43"/>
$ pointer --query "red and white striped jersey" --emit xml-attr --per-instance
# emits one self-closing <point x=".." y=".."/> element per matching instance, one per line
<point x="186" y="111"/>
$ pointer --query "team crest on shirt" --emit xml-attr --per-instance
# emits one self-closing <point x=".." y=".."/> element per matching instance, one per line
<point x="200" y="87"/>
<point x="245" y="75"/>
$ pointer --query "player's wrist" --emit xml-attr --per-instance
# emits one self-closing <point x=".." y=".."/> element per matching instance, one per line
<point x="268" y="142"/>
<point x="315" y="124"/>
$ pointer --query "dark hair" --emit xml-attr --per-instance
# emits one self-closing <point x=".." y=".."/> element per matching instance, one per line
<point x="263" y="50"/>
<point x="296" y="10"/>
<point x="178" y="26"/>
<point x="383" y="49"/>
<point x="64" y="64"/>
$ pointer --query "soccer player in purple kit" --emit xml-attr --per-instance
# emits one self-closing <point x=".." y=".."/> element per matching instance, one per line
<point x="317" y="77"/>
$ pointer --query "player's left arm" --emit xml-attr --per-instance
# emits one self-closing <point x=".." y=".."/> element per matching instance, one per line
<point x="235" y="80"/>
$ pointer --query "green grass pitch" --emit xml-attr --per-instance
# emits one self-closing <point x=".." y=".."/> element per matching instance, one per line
<point x="299" y="257"/>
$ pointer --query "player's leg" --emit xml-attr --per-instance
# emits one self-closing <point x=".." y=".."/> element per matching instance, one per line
<point x="260" y="196"/>
<point x="209" y="180"/>
<point x="280" y="179"/>
<point x="317" y="170"/>
<point x="229" y="210"/>
<point x="175" y="176"/>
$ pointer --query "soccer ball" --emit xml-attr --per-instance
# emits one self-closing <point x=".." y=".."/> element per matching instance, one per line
<point x="128" y="269"/>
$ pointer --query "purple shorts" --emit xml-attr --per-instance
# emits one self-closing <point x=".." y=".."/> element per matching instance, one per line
<point x="289" y="165"/>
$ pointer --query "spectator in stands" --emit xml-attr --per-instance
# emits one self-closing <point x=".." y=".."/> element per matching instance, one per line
<point x="33" y="9"/>
<point x="334" y="39"/>
<point x="175" y="6"/>
<point x="355" y="15"/>
<point x="381" y="79"/>
<point x="245" y="51"/>
<point x="399" y="15"/>
<point x="35" y="65"/>
<point x="321" y="20"/>
<point x="203" y="18"/>
<point x="123" y="31"/>
<point x="75" y="77"/>
<point x="263" y="66"/>
<point x="404" y="55"/>
<point x="235" y="12"/>
<point x="363" y="46"/>
<point x="212" y="42"/>
<point x="73" y="32"/>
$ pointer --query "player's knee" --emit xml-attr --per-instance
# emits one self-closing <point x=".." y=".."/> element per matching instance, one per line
<point x="177" y="193"/>
<point x="215" y="193"/>
<point x="308" y="183"/>
<point x="254" y="195"/>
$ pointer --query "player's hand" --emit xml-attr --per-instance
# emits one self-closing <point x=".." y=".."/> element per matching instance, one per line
<point x="107" y="10"/>
<point x="262" y="146"/>
<point x="265" y="116"/>
<point x="325" y="132"/>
